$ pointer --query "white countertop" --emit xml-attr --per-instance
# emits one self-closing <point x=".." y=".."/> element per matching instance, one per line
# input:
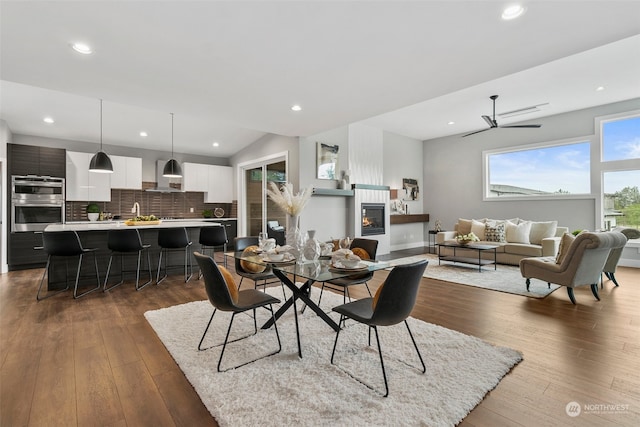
<point x="115" y="225"/>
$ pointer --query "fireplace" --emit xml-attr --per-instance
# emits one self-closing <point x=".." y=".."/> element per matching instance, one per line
<point x="373" y="219"/>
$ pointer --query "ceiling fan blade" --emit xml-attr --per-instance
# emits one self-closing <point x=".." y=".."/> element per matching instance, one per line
<point x="521" y="126"/>
<point x="478" y="131"/>
<point x="492" y="123"/>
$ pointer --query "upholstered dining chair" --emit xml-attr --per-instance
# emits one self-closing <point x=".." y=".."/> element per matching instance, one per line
<point x="579" y="262"/>
<point x="261" y="276"/>
<point x="365" y="249"/>
<point x="225" y="296"/>
<point x="610" y="266"/>
<point x="391" y="305"/>
<point x="212" y="238"/>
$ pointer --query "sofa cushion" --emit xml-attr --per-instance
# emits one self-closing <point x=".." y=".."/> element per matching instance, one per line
<point x="477" y="228"/>
<point x="495" y="233"/>
<point x="524" y="249"/>
<point x="464" y="226"/>
<point x="542" y="230"/>
<point x="518" y="233"/>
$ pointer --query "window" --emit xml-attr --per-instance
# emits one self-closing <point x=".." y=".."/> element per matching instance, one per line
<point x="551" y="170"/>
<point x="620" y="168"/>
<point x="621" y="139"/>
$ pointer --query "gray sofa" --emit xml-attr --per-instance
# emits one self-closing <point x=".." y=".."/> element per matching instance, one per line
<point x="514" y="238"/>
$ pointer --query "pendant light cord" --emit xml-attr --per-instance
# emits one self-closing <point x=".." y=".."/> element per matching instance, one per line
<point x="100" y="124"/>
<point x="172" y="135"/>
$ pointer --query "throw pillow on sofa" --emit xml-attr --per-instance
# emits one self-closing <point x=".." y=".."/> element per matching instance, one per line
<point x="495" y="233"/>
<point x="518" y="233"/>
<point x="478" y="228"/>
<point x="542" y="230"/>
<point x="464" y="226"/>
<point x="566" y="241"/>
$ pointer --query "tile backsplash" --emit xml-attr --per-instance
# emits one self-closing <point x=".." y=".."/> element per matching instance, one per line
<point x="162" y="205"/>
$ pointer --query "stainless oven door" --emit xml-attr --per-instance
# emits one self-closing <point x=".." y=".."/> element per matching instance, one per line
<point x="35" y="216"/>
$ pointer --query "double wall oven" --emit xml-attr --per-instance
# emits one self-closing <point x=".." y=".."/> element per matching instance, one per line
<point x="36" y="201"/>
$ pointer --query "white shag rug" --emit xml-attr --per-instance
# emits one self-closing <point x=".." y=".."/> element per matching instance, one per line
<point x="506" y="278"/>
<point x="286" y="390"/>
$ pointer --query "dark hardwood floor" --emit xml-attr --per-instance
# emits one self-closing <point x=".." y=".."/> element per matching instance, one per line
<point x="96" y="361"/>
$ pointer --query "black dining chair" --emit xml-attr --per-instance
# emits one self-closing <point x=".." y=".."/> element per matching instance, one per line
<point x="261" y="278"/>
<point x="211" y="238"/>
<point x="365" y="249"/>
<point x="66" y="244"/>
<point x="122" y="242"/>
<point x="225" y="296"/>
<point x="391" y="305"/>
<point x="171" y="239"/>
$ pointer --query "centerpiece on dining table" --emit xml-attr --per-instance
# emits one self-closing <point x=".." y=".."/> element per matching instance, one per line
<point x="292" y="205"/>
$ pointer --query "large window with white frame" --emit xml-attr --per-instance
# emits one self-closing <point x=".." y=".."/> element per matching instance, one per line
<point x="619" y="136"/>
<point x="548" y="170"/>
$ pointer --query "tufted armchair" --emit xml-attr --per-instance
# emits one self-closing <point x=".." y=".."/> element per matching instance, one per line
<point x="615" y="254"/>
<point x="580" y="261"/>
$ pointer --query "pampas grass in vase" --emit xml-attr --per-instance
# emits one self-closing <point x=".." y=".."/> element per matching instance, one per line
<point x="292" y="205"/>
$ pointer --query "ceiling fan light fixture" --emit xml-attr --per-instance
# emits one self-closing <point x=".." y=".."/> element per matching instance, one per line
<point x="100" y="162"/>
<point x="172" y="168"/>
<point x="513" y="12"/>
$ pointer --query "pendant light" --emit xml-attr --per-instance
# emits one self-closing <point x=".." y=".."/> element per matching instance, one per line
<point x="100" y="162"/>
<point x="172" y="169"/>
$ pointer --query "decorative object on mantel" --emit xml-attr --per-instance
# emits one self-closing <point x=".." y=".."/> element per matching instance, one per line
<point x="292" y="205"/>
<point x="101" y="162"/>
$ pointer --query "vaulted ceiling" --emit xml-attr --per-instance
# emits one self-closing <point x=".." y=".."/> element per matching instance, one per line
<point x="230" y="71"/>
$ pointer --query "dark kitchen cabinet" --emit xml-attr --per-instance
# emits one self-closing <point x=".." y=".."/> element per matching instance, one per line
<point x="23" y="253"/>
<point x="34" y="160"/>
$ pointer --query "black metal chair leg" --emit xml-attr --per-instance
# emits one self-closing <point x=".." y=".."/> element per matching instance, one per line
<point x="138" y="272"/>
<point x="424" y="368"/>
<point x="158" y="280"/>
<point x="44" y="273"/>
<point x="99" y="285"/>
<point x="384" y="372"/>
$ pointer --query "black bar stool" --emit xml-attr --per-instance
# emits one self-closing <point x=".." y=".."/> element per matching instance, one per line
<point x="213" y="237"/>
<point x="65" y="244"/>
<point x="174" y="238"/>
<point x="122" y="242"/>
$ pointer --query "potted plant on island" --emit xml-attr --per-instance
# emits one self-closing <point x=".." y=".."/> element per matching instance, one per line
<point x="93" y="211"/>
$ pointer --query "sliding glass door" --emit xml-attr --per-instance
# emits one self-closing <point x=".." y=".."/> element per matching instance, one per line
<point x="257" y="208"/>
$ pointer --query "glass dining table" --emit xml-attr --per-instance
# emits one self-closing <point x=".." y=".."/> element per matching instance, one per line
<point x="290" y="272"/>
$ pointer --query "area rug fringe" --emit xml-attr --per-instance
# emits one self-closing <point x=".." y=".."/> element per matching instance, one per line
<point x="285" y="390"/>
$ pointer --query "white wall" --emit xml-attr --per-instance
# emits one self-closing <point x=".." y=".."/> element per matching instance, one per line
<point x="403" y="158"/>
<point x="453" y="172"/>
<point x="5" y="138"/>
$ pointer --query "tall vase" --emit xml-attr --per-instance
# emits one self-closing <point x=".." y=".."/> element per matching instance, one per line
<point x="293" y="237"/>
<point x="312" y="250"/>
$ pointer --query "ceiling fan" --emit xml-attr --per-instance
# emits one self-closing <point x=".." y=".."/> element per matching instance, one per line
<point x="491" y="121"/>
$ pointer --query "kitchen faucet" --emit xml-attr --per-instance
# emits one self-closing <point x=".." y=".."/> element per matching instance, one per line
<point x="136" y="209"/>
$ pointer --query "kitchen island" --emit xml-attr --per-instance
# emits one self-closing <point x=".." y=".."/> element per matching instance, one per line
<point x="93" y="234"/>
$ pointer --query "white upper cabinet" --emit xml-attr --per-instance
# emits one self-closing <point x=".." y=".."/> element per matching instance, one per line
<point x="195" y="177"/>
<point x="127" y="172"/>
<point x="220" y="185"/>
<point x="85" y="186"/>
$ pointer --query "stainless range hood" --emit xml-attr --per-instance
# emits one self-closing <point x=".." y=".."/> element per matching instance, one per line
<point x="163" y="183"/>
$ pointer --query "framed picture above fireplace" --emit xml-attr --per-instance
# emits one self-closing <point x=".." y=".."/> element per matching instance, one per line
<point x="410" y="189"/>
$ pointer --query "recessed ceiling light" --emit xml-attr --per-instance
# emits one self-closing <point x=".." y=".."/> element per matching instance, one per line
<point x="82" y="48"/>
<point x="215" y="144"/>
<point x="48" y="120"/>
<point x="143" y="134"/>
<point x="512" y="12"/>
<point x="600" y="88"/>
<point x="451" y="123"/>
<point x="296" y="107"/>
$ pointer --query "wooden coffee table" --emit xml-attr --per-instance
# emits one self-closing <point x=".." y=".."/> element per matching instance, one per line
<point x="465" y="259"/>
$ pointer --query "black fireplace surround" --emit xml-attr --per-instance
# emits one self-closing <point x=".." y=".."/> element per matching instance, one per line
<point x="372" y="219"/>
